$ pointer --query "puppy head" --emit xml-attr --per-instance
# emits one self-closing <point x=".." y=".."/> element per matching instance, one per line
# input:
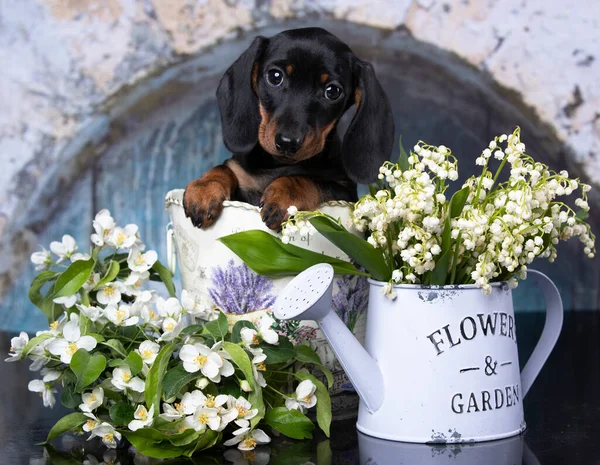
<point x="288" y="92"/>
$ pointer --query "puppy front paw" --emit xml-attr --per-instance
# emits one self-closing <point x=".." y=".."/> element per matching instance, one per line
<point x="203" y="202"/>
<point x="284" y="192"/>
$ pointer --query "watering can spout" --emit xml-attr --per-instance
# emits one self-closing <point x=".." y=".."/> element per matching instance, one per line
<point x="308" y="297"/>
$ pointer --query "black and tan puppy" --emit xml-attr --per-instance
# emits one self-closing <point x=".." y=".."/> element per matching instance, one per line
<point x="280" y="103"/>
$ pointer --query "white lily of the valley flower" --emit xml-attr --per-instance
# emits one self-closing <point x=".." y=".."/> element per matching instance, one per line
<point x="107" y="433"/>
<point x="103" y="225"/>
<point x="199" y="357"/>
<point x="71" y="342"/>
<point x="45" y="390"/>
<point x="123" y="238"/>
<point x="64" y="249"/>
<point x="249" y="440"/>
<point x="109" y="294"/>
<point x="120" y="316"/>
<point x="142" y="417"/>
<point x="68" y="301"/>
<point x="202" y="418"/>
<point x="122" y="380"/>
<point x="148" y="351"/>
<point x="17" y="344"/>
<point x="92" y="400"/>
<point x="139" y="261"/>
<point x="42" y="260"/>
<point x="304" y="397"/>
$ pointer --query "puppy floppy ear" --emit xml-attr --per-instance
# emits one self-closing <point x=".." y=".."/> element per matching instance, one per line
<point x="238" y="102"/>
<point x="370" y="137"/>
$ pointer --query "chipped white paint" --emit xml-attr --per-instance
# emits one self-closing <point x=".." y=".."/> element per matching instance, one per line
<point x="62" y="61"/>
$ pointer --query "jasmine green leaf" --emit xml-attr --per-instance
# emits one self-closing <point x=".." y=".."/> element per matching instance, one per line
<point x="33" y="343"/>
<point x="278" y="353"/>
<point x="175" y="379"/>
<point x="44" y="303"/>
<point x="292" y="423"/>
<point x="66" y="423"/>
<point x="152" y="448"/>
<point x="241" y="359"/>
<point x="116" y="346"/>
<point x="323" y="401"/>
<point x="73" y="278"/>
<point x="267" y="255"/>
<point x="355" y="247"/>
<point x="69" y="398"/>
<point x="110" y="275"/>
<point x="192" y="329"/>
<point x="165" y="276"/>
<point x="87" y="368"/>
<point x="305" y="354"/>
<point x="154" y="380"/>
<point x="121" y="413"/>
<point x="218" y="327"/>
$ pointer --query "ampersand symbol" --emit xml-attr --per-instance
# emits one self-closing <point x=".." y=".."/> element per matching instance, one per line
<point x="490" y="369"/>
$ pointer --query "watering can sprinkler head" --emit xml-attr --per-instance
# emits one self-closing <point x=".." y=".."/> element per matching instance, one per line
<point x="308" y="297"/>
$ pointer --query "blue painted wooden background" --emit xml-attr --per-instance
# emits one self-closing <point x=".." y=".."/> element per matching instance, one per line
<point x="173" y="136"/>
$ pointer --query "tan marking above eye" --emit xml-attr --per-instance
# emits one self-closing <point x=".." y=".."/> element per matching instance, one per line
<point x="289" y="69"/>
<point x="324" y="77"/>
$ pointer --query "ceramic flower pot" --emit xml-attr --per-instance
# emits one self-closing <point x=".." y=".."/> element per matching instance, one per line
<point x="209" y="269"/>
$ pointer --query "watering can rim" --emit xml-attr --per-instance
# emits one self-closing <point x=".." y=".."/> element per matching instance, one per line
<point x="436" y="287"/>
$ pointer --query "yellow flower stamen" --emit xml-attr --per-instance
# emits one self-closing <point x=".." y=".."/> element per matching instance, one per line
<point x="91" y="424"/>
<point x="307" y="399"/>
<point x="92" y="398"/>
<point x="249" y="456"/>
<point x="54" y="325"/>
<point x="170" y="326"/>
<point x="242" y="411"/>
<point x="126" y="377"/>
<point x="249" y="443"/>
<point x="109" y="290"/>
<point x="210" y="401"/>
<point x="120" y="238"/>
<point x="255" y="339"/>
<point x="200" y="360"/>
<point x="140" y="260"/>
<point x="180" y="407"/>
<point x="147" y="353"/>
<point x="152" y="315"/>
<point x="143" y="414"/>
<point x="121" y="314"/>
<point x="110" y="438"/>
<point x="261" y="366"/>
<point x="71" y="348"/>
<point x="203" y="419"/>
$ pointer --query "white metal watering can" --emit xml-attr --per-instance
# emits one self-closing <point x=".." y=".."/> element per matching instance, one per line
<point x="441" y="362"/>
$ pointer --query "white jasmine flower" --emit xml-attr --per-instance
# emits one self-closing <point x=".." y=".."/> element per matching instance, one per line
<point x="121" y="316"/>
<point x="92" y="400"/>
<point x="169" y="308"/>
<point x="122" y="380"/>
<point x="135" y="281"/>
<point x="103" y="225"/>
<point x="45" y="390"/>
<point x="71" y="342"/>
<point x="172" y="413"/>
<point x="304" y="397"/>
<point x="245" y="386"/>
<point x="195" y="305"/>
<point x="258" y="366"/>
<point x="91" y="282"/>
<point x="142" y="417"/>
<point x="202" y="418"/>
<point x="68" y="301"/>
<point x="107" y="433"/>
<point x="64" y="249"/>
<point x="199" y="357"/>
<point x="79" y="256"/>
<point x="242" y="408"/>
<point x="109" y="294"/>
<point x="171" y="329"/>
<point x="202" y="382"/>
<point x="123" y="238"/>
<point x="95" y="314"/>
<point x="148" y="351"/>
<point x="139" y="261"/>
<point x="265" y="330"/>
<point x="249" y="440"/>
<point x="42" y="260"/>
<point x="17" y="344"/>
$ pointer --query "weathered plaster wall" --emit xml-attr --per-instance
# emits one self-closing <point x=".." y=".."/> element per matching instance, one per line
<point x="68" y="66"/>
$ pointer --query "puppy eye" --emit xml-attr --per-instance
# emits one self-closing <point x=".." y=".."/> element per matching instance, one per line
<point x="333" y="92"/>
<point x="275" y="77"/>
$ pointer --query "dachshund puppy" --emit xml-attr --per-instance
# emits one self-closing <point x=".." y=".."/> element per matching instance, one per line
<point x="280" y="103"/>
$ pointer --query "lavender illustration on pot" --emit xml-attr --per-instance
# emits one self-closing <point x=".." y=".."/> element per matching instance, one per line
<point x="239" y="290"/>
<point x="352" y="299"/>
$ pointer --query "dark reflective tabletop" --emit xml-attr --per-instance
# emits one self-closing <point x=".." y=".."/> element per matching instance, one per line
<point x="562" y="412"/>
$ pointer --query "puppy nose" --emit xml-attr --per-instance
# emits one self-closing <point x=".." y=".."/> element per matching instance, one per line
<point x="287" y="144"/>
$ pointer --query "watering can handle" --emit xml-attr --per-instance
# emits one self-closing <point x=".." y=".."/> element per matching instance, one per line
<point x="171" y="251"/>
<point x="552" y="327"/>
